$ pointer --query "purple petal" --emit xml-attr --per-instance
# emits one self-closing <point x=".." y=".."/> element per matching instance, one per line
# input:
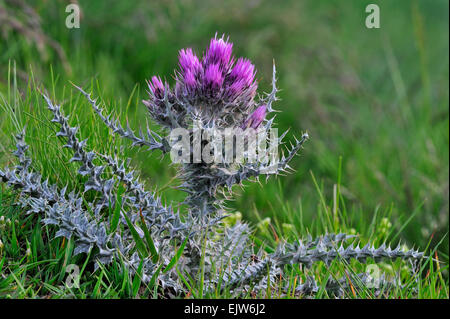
<point x="213" y="78"/>
<point x="189" y="62"/>
<point x="219" y="52"/>
<point x="190" y="82"/>
<point x="241" y="81"/>
<point x="243" y="71"/>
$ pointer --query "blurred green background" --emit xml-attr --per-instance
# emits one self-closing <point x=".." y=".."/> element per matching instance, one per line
<point x="378" y="98"/>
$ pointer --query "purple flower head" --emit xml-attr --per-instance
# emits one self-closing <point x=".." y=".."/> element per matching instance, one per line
<point x="212" y="79"/>
<point x="156" y="87"/>
<point x="219" y="52"/>
<point x="215" y="80"/>
<point x="256" y="118"/>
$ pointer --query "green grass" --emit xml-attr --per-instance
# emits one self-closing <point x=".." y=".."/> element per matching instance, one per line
<point x="35" y="267"/>
<point x="375" y="103"/>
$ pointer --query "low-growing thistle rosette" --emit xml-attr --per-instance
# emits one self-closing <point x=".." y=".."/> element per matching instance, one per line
<point x="162" y="246"/>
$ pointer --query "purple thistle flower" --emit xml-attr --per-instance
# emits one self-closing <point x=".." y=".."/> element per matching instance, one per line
<point x="212" y="80"/>
<point x="256" y="118"/>
<point x="216" y="79"/>
<point x="219" y="52"/>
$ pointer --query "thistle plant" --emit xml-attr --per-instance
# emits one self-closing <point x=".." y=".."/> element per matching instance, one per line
<point x="212" y="93"/>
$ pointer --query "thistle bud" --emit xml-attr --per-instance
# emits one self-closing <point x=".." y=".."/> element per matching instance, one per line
<point x="156" y="86"/>
<point x="256" y="118"/>
<point x="156" y="104"/>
